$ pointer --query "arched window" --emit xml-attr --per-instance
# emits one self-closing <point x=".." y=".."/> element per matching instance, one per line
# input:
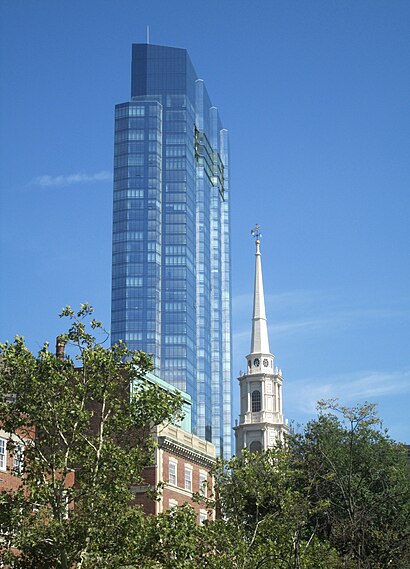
<point x="255" y="446"/>
<point x="256" y="401"/>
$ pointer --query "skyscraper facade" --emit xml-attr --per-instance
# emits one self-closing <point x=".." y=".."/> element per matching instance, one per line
<point x="171" y="251"/>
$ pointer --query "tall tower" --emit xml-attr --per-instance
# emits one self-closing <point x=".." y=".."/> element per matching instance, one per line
<point x="261" y="420"/>
<point x="171" y="251"/>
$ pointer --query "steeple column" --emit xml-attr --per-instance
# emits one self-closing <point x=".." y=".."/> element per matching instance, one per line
<point x="280" y="398"/>
<point x="263" y="406"/>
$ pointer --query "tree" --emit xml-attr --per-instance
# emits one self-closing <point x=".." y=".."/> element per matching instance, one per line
<point x="363" y="476"/>
<point x="269" y="511"/>
<point x="336" y="496"/>
<point x="85" y="442"/>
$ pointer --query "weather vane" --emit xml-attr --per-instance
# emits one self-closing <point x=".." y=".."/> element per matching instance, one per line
<point x="256" y="232"/>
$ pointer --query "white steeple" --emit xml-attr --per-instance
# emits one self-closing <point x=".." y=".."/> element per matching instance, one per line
<point x="261" y="423"/>
<point x="260" y="339"/>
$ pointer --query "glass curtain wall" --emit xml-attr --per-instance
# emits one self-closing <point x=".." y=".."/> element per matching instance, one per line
<point x="171" y="273"/>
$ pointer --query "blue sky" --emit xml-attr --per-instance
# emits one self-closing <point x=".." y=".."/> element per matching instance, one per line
<point x="315" y="95"/>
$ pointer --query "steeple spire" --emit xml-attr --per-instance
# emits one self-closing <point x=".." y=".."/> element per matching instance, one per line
<point x="261" y="424"/>
<point x="260" y="339"/>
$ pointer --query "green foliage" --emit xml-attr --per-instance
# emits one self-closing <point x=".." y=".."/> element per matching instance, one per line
<point x="348" y="462"/>
<point x="76" y="423"/>
<point x="263" y="501"/>
<point x="336" y="496"/>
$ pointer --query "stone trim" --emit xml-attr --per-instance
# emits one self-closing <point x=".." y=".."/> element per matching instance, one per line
<point x="185" y="452"/>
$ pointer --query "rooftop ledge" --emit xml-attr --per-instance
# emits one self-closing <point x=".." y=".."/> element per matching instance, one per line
<point x="187" y="440"/>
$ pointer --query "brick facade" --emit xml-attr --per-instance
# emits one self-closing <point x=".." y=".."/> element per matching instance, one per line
<point x="187" y="453"/>
<point x="10" y="447"/>
<point x="174" y="444"/>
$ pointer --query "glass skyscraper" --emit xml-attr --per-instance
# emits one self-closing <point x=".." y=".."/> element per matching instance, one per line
<point x="171" y="250"/>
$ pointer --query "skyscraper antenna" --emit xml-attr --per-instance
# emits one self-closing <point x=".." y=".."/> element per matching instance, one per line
<point x="147" y="34"/>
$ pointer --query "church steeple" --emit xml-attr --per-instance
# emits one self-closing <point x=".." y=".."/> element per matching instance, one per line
<point x="260" y="338"/>
<point x="261" y="423"/>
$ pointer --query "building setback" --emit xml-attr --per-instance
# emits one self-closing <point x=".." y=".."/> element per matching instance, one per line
<point x="171" y="252"/>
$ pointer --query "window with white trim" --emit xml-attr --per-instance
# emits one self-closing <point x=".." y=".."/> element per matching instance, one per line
<point x="18" y="458"/>
<point x="188" y="478"/>
<point x="203" y="516"/>
<point x="3" y="454"/>
<point x="172" y="473"/>
<point x="203" y="483"/>
<point x="172" y="504"/>
<point x="256" y="401"/>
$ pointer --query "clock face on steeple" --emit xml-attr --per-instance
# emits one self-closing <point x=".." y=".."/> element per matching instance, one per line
<point x="265" y="362"/>
<point x="256" y="362"/>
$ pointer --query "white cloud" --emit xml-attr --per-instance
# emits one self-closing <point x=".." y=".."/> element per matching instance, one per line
<point x="48" y="181"/>
<point x="282" y="300"/>
<point x="295" y="326"/>
<point x="302" y="312"/>
<point x="285" y="308"/>
<point x="349" y="388"/>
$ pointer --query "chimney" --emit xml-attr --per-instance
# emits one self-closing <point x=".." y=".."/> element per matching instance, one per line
<point x="60" y="345"/>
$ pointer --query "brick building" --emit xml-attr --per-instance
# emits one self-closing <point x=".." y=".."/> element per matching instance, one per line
<point x="11" y="453"/>
<point x="182" y="461"/>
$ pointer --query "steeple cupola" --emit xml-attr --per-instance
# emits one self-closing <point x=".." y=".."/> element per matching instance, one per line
<point x="261" y="423"/>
